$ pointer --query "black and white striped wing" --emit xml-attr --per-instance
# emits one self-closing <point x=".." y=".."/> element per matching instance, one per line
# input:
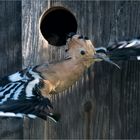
<point x="20" y="95"/>
<point x="123" y="50"/>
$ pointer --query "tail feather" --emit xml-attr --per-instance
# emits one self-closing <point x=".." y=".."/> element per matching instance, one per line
<point x="10" y="114"/>
<point x="17" y="106"/>
<point x="30" y="107"/>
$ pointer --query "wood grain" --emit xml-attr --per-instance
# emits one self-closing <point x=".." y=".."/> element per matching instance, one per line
<point x="105" y="102"/>
<point x="10" y="59"/>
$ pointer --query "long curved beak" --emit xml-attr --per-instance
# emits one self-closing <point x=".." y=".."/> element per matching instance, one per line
<point x="103" y="57"/>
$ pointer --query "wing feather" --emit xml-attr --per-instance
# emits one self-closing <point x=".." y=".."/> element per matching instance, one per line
<point x="20" y="94"/>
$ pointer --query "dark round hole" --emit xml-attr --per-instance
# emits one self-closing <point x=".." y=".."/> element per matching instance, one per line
<point x="56" y="23"/>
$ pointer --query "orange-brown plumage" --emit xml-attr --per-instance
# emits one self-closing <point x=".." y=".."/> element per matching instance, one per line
<point x="28" y="91"/>
<point x="61" y="75"/>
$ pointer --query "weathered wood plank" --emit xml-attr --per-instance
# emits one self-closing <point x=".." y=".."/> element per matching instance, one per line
<point x="10" y="37"/>
<point x="10" y="59"/>
<point x="104" y="22"/>
<point x="33" y="53"/>
<point x="102" y="106"/>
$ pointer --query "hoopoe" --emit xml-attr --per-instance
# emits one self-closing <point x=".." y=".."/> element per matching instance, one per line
<point x="122" y="50"/>
<point x="27" y="92"/>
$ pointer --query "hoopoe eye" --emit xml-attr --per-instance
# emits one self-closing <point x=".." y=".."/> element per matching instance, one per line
<point x="82" y="52"/>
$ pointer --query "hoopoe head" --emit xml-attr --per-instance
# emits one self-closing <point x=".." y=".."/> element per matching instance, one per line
<point x="82" y="50"/>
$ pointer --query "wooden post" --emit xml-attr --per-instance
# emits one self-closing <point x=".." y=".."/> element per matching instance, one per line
<point x="113" y="94"/>
<point x="10" y="59"/>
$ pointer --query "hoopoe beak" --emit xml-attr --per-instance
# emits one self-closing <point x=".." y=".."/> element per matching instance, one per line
<point x="103" y="57"/>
